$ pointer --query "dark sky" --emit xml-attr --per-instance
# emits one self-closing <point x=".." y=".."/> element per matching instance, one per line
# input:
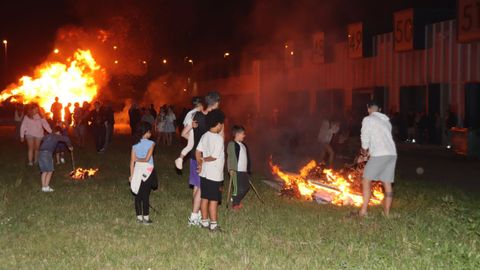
<point x="198" y="28"/>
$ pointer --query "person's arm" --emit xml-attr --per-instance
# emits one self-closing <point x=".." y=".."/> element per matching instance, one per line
<point x="132" y="163"/>
<point x="186" y="131"/>
<point x="46" y="126"/>
<point x="365" y="134"/>
<point x="66" y="140"/>
<point x="23" y="129"/>
<point x="148" y="156"/>
<point x="231" y="157"/>
<point x="199" y="158"/>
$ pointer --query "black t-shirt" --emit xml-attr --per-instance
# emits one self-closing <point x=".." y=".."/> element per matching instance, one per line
<point x="198" y="132"/>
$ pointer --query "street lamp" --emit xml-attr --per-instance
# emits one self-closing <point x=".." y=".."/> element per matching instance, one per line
<point x="225" y="55"/>
<point x="164" y="61"/>
<point x="5" y="45"/>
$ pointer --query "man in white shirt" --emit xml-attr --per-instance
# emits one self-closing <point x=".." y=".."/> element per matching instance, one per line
<point x="210" y="155"/>
<point x="377" y="142"/>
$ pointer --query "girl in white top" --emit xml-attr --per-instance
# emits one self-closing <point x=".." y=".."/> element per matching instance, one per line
<point x="187" y="131"/>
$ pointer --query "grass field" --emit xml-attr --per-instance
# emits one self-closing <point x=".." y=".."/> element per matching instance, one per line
<point x="90" y="224"/>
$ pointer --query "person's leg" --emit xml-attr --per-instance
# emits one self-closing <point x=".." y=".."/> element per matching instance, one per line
<point x="36" y="148"/>
<point x="331" y="154"/>
<point x="196" y="200"/>
<point x="212" y="210"/>
<point x="244" y="185"/>
<point x="43" y="178"/>
<point x="48" y="177"/>
<point x="31" y="150"/>
<point x="366" y="192"/>
<point x="204" y="209"/>
<point x="387" y="200"/>
<point x="57" y="157"/>
<point x="321" y="156"/>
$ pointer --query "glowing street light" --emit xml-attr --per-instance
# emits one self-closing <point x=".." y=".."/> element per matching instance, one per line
<point x="225" y="55"/>
<point x="115" y="47"/>
<point x="56" y="51"/>
<point x="291" y="53"/>
<point x="144" y="62"/>
<point x="190" y="61"/>
<point x="5" y="42"/>
<point x="164" y="61"/>
<point x="116" y="61"/>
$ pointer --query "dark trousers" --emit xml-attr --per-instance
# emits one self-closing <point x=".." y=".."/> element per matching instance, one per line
<point x="99" y="135"/>
<point x="108" y="134"/>
<point x="142" y="199"/>
<point x="241" y="187"/>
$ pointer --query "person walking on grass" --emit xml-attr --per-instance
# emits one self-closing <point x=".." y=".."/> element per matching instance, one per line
<point x="377" y="142"/>
<point x="211" y="161"/>
<point x="238" y="164"/>
<point x="48" y="146"/>
<point x="142" y="151"/>
<point x="32" y="130"/>
<point x="212" y="101"/>
<point x="187" y="131"/>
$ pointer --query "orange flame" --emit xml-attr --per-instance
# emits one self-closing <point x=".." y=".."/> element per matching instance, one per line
<point x="337" y="188"/>
<point x="77" y="80"/>
<point x="81" y="173"/>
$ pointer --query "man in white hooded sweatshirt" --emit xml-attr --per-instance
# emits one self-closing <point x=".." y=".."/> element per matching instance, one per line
<point x="377" y="141"/>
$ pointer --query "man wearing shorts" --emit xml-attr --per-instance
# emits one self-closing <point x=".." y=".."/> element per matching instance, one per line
<point x="377" y="141"/>
<point x="199" y="124"/>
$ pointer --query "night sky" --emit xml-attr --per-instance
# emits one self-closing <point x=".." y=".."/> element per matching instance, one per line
<point x="195" y="28"/>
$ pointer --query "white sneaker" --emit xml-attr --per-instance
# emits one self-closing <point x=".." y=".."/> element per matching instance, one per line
<point x="44" y="189"/>
<point x="179" y="163"/>
<point x="49" y="189"/>
<point x="62" y="160"/>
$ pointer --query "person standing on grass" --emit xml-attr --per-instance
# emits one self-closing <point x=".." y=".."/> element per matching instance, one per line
<point x="110" y="123"/>
<point x="199" y="123"/>
<point x="170" y="124"/>
<point x="98" y="120"/>
<point x="238" y="163"/>
<point x="56" y="110"/>
<point x="327" y="130"/>
<point x="18" y="118"/>
<point x="210" y="157"/>
<point x="377" y="142"/>
<point x="142" y="151"/>
<point x="32" y="130"/>
<point x="67" y="114"/>
<point x="48" y="146"/>
<point x="187" y="131"/>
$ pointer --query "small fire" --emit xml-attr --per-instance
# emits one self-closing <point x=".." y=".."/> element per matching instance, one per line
<point x="338" y="188"/>
<point x="76" y="80"/>
<point x="81" y="173"/>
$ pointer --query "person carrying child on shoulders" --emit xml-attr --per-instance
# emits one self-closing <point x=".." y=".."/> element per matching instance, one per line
<point x="210" y="157"/>
<point x="238" y="164"/>
<point x="45" y="155"/>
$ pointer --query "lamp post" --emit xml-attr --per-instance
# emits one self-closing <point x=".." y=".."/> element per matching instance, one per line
<point x="5" y="47"/>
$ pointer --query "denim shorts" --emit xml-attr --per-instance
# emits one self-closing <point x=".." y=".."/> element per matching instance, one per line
<point x="45" y="161"/>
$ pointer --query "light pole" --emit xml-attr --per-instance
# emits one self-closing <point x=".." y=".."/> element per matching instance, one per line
<point x="5" y="46"/>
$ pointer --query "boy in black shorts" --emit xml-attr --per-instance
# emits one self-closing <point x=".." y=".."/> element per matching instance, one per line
<point x="210" y="157"/>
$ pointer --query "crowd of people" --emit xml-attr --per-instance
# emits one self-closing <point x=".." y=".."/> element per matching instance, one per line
<point x="203" y="127"/>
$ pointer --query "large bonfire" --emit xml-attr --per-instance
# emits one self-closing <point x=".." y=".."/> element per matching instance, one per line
<point x="77" y="78"/>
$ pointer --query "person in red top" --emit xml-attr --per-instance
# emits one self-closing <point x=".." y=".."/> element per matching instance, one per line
<point x="56" y="111"/>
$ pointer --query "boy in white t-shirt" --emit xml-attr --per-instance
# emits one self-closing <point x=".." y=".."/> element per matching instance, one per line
<point x="210" y="157"/>
<point x="187" y="131"/>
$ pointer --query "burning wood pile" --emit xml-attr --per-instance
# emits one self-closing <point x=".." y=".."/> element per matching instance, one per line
<point x="315" y="182"/>
<point x="81" y="173"/>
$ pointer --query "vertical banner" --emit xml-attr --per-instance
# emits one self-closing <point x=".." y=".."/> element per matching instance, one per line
<point x="355" y="40"/>
<point x="318" y="48"/>
<point x="404" y="30"/>
<point x="468" y="20"/>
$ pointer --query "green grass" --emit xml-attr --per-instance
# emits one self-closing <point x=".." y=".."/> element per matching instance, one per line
<point x="90" y="225"/>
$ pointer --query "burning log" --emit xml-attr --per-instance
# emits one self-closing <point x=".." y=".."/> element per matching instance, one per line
<point x="81" y="173"/>
<point x="315" y="182"/>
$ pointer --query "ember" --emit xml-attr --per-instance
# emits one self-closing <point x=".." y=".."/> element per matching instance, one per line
<point x="81" y="173"/>
<point x="76" y="80"/>
<point x="326" y="185"/>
